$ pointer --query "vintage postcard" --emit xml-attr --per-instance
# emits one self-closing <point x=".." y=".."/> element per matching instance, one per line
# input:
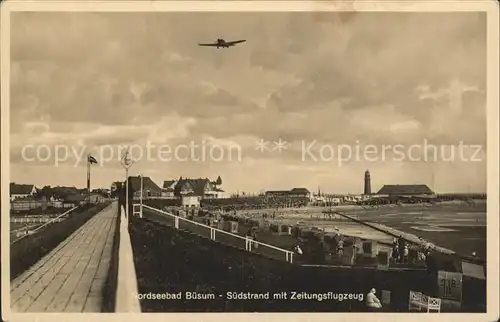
<point x="180" y="158"/>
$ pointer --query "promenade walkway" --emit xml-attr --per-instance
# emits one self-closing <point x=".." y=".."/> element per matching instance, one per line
<point x="72" y="277"/>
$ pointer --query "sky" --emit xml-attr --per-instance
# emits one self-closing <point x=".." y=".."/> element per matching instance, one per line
<point x="330" y="86"/>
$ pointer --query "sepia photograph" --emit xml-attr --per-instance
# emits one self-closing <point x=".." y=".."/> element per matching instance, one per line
<point x="270" y="157"/>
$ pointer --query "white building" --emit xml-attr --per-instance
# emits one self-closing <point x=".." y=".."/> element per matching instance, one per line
<point x="190" y="200"/>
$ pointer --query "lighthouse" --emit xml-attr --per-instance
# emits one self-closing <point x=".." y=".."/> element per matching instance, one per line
<point x="368" y="186"/>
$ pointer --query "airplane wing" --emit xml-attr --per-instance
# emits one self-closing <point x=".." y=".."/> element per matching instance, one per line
<point x="211" y="45"/>
<point x="232" y="43"/>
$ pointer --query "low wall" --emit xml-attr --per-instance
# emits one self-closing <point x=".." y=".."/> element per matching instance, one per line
<point x="109" y="296"/>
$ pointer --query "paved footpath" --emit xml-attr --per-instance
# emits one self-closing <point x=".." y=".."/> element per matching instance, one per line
<point x="72" y="277"/>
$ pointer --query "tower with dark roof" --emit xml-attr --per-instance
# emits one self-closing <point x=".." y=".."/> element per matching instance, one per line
<point x="368" y="185"/>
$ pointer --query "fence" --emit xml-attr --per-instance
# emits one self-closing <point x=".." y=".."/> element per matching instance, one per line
<point x="34" y="220"/>
<point x="218" y="235"/>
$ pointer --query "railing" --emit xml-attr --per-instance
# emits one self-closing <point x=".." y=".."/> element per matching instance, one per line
<point x="222" y="236"/>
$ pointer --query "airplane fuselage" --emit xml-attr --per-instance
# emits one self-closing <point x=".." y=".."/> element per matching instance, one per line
<point x="221" y="43"/>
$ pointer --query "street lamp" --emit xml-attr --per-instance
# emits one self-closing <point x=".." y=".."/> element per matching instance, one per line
<point x="126" y="163"/>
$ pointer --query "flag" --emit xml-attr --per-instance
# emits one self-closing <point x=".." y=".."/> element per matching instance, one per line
<point x="91" y="159"/>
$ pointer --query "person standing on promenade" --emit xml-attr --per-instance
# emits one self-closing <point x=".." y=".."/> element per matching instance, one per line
<point x="121" y="192"/>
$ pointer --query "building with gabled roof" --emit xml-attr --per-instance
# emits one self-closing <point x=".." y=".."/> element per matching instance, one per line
<point x="21" y="190"/>
<point x="294" y="193"/>
<point x="201" y="187"/>
<point x="300" y="192"/>
<point x="169" y="184"/>
<point x="74" y="200"/>
<point x="168" y="189"/>
<point x="405" y="190"/>
<point x="277" y="193"/>
<point x="150" y="188"/>
<point x="99" y="197"/>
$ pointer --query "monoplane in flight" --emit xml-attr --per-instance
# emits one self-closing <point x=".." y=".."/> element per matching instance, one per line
<point x="222" y="43"/>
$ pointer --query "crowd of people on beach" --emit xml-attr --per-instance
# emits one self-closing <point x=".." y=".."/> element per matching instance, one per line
<point x="252" y="203"/>
<point x="404" y="252"/>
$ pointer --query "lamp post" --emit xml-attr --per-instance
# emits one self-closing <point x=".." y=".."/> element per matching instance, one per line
<point x="126" y="163"/>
